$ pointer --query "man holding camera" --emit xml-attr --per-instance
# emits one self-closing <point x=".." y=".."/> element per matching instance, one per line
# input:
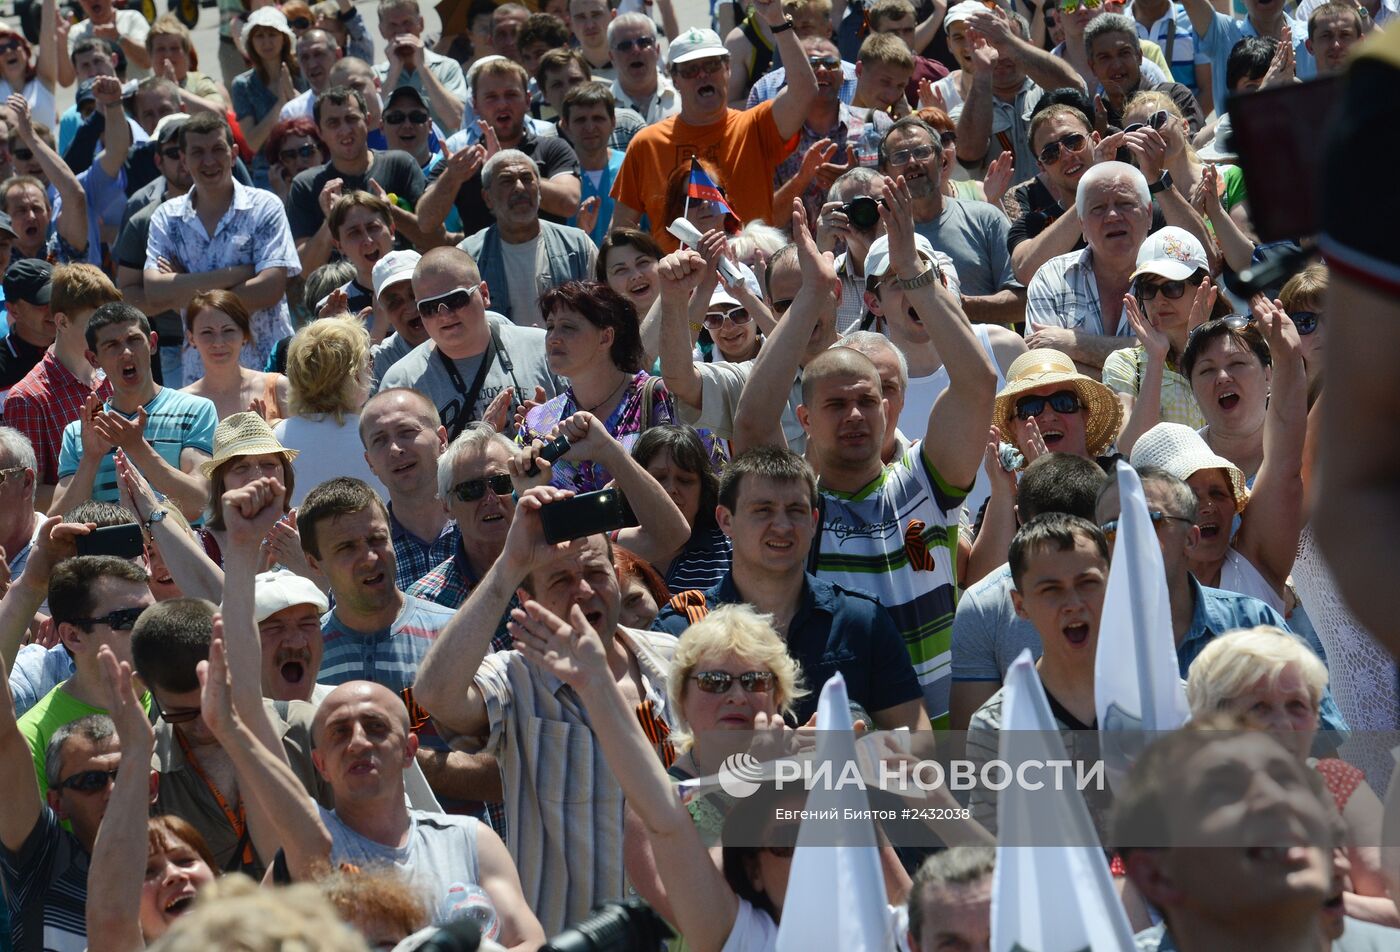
<point x="561" y="799"/>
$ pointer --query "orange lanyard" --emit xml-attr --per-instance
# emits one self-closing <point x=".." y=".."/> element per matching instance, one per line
<point x="236" y="819"/>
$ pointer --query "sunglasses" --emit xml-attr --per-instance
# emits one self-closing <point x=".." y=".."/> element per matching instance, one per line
<point x="1157" y="120"/>
<point x="639" y="44"/>
<point x="8" y="45"/>
<point x="89" y="781"/>
<point x="1070" y="143"/>
<point x="300" y="23"/>
<point x="1069" y="6"/>
<point x="824" y="62"/>
<point x="24" y="155"/>
<point x="453" y="300"/>
<point x="180" y="717"/>
<point x="470" y="490"/>
<point x="1110" y="528"/>
<point x="781" y="307"/>
<point x="719" y="682"/>
<point x="303" y="151"/>
<point x="701" y="67"/>
<point x="1061" y="401"/>
<point x="736" y="316"/>
<point x="418" y="117"/>
<point x="123" y="619"/>
<point x="173" y="152"/>
<point x="1305" y="321"/>
<point x="901" y="157"/>
<point x="1172" y="290"/>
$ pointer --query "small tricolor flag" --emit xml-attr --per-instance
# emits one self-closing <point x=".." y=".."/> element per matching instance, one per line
<point x="702" y="188"/>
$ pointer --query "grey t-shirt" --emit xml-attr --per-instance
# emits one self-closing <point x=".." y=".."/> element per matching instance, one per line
<point x="987" y="634"/>
<point x="439" y="859"/>
<point x="523" y="271"/>
<point x="387" y="353"/>
<point x="974" y="235"/>
<point x="423" y="369"/>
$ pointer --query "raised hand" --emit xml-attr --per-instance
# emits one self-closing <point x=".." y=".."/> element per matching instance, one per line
<point x="1150" y="150"/>
<point x="90" y="437"/>
<point x="282" y="546"/>
<point x="489" y="140"/>
<point x="24" y="127"/>
<point x="1002" y="482"/>
<point x="571" y="651"/>
<point x="829" y="172"/>
<point x="832" y="224"/>
<point x="215" y="690"/>
<point x="681" y="273"/>
<point x="1035" y="443"/>
<point x="818" y="267"/>
<point x="588" y="438"/>
<point x="464" y="164"/>
<point x="286" y="87"/>
<point x="1281" y="69"/>
<point x="817" y="155"/>
<point x="1202" y="304"/>
<point x="998" y="177"/>
<point x="1154" y="340"/>
<point x="529" y="404"/>
<point x="1108" y="147"/>
<point x="107" y="90"/>
<point x="332" y="191"/>
<point x="897" y="212"/>
<point x="931" y="96"/>
<point x="525" y="547"/>
<point x="498" y="410"/>
<point x="54" y="543"/>
<point x="337" y="302"/>
<point x="133" y="726"/>
<point x="1278" y="329"/>
<point x="135" y="492"/>
<point x="119" y="431"/>
<point x="251" y="511"/>
<point x="587" y="218"/>
<point x="408" y="50"/>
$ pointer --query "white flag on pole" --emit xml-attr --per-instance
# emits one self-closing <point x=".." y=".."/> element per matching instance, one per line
<point x="1056" y="897"/>
<point x="836" y="893"/>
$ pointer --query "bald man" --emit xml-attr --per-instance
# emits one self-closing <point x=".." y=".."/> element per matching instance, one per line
<point x="469" y="359"/>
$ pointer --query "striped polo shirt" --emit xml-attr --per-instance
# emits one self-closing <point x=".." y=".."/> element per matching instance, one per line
<point x="897" y="538"/>
<point x="390" y="656"/>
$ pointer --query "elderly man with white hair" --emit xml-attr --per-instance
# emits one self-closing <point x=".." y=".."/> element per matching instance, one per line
<point x="521" y="255"/>
<point x="636" y="48"/>
<point x="1075" y="301"/>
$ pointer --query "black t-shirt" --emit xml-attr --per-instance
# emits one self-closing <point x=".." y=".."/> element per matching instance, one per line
<point x="396" y="172"/>
<point x="130" y="252"/>
<point x="551" y="153"/>
<point x="1033" y="209"/>
<point x="17" y="358"/>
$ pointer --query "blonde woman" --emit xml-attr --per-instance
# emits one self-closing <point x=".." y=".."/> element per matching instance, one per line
<point x="1274" y="682"/>
<point x="328" y="377"/>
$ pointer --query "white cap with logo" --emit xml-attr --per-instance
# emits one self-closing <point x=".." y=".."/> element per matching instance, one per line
<point x="1172" y="253"/>
<point x="695" y="44"/>
<point x="395" y="266"/>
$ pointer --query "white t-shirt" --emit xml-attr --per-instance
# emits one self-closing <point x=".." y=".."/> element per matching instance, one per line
<point x="523" y="269"/>
<point x="755" y="931"/>
<point x="327" y="449"/>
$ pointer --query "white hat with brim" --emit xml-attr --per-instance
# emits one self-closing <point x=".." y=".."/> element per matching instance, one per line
<point x="243" y="434"/>
<point x="1172" y="253"/>
<point x="877" y="259"/>
<point x="695" y="44"/>
<point x="270" y="17"/>
<point x="393" y="267"/>
<point x="1182" y="452"/>
<point x="275" y="591"/>
<point x="1041" y="368"/>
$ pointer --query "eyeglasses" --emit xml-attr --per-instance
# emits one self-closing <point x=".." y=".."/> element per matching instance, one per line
<point x="1110" y="528"/>
<point x="702" y="67"/>
<point x="735" y="315"/>
<point x="301" y="151"/>
<point x="824" y="62"/>
<point x="470" y="490"/>
<point x="1157" y="120"/>
<point x="7" y="473"/>
<point x="453" y="300"/>
<point x="180" y="717"/>
<point x="417" y="116"/>
<point x="300" y="23"/>
<point x="89" y="781"/>
<point x="1061" y="401"/>
<point x="1069" y="6"/>
<point x="1305" y="321"/>
<point x="639" y="44"/>
<point x="24" y="155"/>
<point x="719" y="682"/>
<point x="1070" y="143"/>
<point x="123" y="619"/>
<point x="1172" y="290"/>
<point x="900" y="158"/>
<point x="173" y="152"/>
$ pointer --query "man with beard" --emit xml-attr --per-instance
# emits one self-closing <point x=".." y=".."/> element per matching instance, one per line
<point x="501" y="96"/>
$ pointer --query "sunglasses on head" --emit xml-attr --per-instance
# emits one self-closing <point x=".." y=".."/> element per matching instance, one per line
<point x="1159" y="518"/>
<point x="470" y="490"/>
<point x="417" y="116"/>
<point x="1168" y="289"/>
<point x="737" y="316"/>
<point x="123" y="619"/>
<point x="300" y="23"/>
<point x="1305" y="321"/>
<point x="1061" y="401"/>
<point x="1070" y="143"/>
<point x="1235" y="322"/>
<point x="453" y="300"/>
<point x="719" y="682"/>
<point x="701" y="67"/>
<point x="1157" y="120"/>
<point x="89" y="781"/>
<point x="901" y="157"/>
<point x="640" y="43"/>
<point x="301" y="151"/>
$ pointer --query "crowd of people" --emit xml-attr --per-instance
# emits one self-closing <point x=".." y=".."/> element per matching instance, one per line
<point x="431" y="462"/>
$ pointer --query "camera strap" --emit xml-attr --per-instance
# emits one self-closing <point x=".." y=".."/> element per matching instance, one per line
<point x="494" y="352"/>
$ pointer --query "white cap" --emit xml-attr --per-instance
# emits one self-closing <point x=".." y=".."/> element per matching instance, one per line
<point x="877" y="259"/>
<point x="695" y="44"/>
<point x="270" y="17"/>
<point x="962" y="11"/>
<point x="275" y="591"/>
<point x="720" y="296"/>
<point x="1172" y="253"/>
<point x="395" y="266"/>
<point x="1216" y="149"/>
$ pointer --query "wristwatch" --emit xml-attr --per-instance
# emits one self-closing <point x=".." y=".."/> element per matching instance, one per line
<point x="1162" y="184"/>
<point x="923" y="279"/>
<point x="781" y="27"/>
<point x="158" y="514"/>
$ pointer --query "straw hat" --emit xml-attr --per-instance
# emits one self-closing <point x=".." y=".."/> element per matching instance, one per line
<point x="243" y="434"/>
<point x="1040" y="368"/>
<point x="1182" y="452"/>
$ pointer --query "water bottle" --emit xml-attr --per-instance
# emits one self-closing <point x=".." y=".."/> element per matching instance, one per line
<point x="868" y="149"/>
<point x="470" y="901"/>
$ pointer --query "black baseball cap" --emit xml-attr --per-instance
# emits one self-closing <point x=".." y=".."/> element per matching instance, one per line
<point x="7" y="226"/>
<point x="29" y="280"/>
<point x="399" y="92"/>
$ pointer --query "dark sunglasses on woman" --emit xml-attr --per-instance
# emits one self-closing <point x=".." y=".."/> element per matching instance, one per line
<point x="1168" y="289"/>
<point x="1061" y="401"/>
<point x="1305" y="321"/>
<point x="718" y="682"/>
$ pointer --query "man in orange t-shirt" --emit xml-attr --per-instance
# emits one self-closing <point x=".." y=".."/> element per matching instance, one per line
<point x="744" y="145"/>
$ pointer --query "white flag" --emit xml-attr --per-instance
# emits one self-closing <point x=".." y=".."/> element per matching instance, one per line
<point x="1137" y="684"/>
<point x="836" y="893"/>
<point x="1057" y="897"/>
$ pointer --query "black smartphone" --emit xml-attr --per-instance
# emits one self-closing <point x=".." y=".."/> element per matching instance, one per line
<point x="551" y="451"/>
<point x="125" y="541"/>
<point x="584" y="515"/>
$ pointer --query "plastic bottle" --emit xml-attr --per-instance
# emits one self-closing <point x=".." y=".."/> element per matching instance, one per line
<point x="868" y="149"/>
<point x="470" y="901"/>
